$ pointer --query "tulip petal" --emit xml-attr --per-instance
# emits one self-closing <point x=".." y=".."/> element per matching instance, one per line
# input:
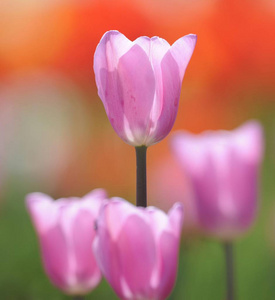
<point x="136" y="92"/>
<point x="106" y="59"/>
<point x="94" y="200"/>
<point x="96" y="194"/>
<point x="167" y="231"/>
<point x="155" y="48"/>
<point x="52" y="240"/>
<point x="249" y="141"/>
<point x="168" y="248"/>
<point x="116" y="211"/>
<point x="106" y="254"/>
<point x="126" y="84"/>
<point x="110" y="223"/>
<point x="158" y="221"/>
<point x="55" y="256"/>
<point x="182" y="51"/>
<point x="175" y="216"/>
<point x="169" y="69"/>
<point x="111" y="47"/>
<point x="167" y="98"/>
<point x="137" y="251"/>
<point x="189" y="152"/>
<point x="83" y="234"/>
<point x="43" y="212"/>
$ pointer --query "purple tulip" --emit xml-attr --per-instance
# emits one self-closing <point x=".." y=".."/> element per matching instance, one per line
<point x="137" y="249"/>
<point x="139" y="84"/>
<point x="223" y="169"/>
<point x="65" y="228"/>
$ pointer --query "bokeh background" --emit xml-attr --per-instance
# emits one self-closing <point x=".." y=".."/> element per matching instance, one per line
<point x="55" y="136"/>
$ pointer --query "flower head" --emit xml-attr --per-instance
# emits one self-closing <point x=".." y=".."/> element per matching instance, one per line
<point x="65" y="228"/>
<point x="137" y="249"/>
<point x="139" y="84"/>
<point x="223" y="169"/>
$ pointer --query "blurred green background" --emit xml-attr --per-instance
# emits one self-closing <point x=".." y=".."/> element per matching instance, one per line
<point x="55" y="137"/>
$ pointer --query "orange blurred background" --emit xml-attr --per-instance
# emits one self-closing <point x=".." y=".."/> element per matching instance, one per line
<point x="53" y="119"/>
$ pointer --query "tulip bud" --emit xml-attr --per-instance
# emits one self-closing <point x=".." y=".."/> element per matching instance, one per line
<point x="65" y="228"/>
<point x="223" y="169"/>
<point x="137" y="249"/>
<point x="139" y="84"/>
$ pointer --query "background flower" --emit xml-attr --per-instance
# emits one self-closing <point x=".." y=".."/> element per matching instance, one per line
<point x="223" y="169"/>
<point x="65" y="228"/>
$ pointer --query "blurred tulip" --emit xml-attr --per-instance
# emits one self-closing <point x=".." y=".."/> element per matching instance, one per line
<point x="223" y="168"/>
<point x="137" y="248"/>
<point x="66" y="231"/>
<point x="139" y="84"/>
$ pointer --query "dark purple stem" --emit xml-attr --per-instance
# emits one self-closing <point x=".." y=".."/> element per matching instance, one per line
<point x="141" y="181"/>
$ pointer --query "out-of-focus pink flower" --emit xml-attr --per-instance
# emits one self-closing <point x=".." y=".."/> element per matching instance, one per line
<point x="65" y="228"/>
<point x="137" y="248"/>
<point x="139" y="84"/>
<point x="223" y="168"/>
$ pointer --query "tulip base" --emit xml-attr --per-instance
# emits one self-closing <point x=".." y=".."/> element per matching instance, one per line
<point x="229" y="261"/>
<point x="141" y="181"/>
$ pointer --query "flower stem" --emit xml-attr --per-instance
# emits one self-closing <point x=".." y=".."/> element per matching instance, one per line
<point x="229" y="260"/>
<point x="141" y="184"/>
<point x="78" y="297"/>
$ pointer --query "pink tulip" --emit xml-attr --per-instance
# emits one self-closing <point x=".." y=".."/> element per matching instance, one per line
<point x="223" y="169"/>
<point x="139" y="84"/>
<point x="137" y="249"/>
<point x="66" y="231"/>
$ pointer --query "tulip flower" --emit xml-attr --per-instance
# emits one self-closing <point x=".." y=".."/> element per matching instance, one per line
<point x="139" y="84"/>
<point x="137" y="249"/>
<point x="223" y="169"/>
<point x="65" y="228"/>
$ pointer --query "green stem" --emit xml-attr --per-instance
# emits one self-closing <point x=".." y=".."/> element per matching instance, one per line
<point x="78" y="297"/>
<point x="141" y="182"/>
<point x="229" y="260"/>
